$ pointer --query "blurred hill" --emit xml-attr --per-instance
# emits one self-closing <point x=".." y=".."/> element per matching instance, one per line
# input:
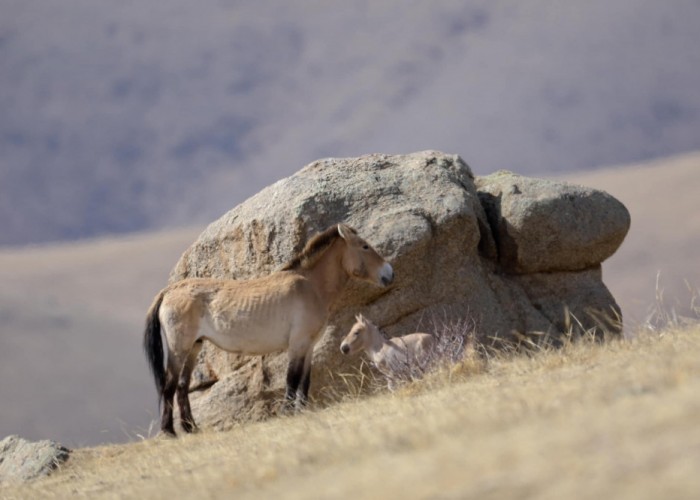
<point x="657" y="265"/>
<point x="123" y="116"/>
<point x="71" y="319"/>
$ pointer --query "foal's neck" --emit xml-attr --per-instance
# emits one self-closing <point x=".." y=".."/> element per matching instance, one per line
<point x="377" y="342"/>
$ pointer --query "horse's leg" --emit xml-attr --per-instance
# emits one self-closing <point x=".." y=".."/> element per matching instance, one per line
<point x="171" y="375"/>
<point x="183" y="388"/>
<point x="180" y="333"/>
<point x="295" y="372"/>
<point x="306" y="377"/>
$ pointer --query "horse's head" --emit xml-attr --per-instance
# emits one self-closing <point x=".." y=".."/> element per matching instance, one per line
<point x="361" y="261"/>
<point x="359" y="337"/>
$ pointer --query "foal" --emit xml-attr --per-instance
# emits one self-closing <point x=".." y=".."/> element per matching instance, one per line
<point x="397" y="358"/>
<point x="285" y="310"/>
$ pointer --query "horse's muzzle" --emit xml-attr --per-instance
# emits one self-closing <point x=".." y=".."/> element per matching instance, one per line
<point x="344" y="348"/>
<point x="386" y="275"/>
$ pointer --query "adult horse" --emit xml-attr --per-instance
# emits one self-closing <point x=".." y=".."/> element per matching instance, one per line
<point x="284" y="310"/>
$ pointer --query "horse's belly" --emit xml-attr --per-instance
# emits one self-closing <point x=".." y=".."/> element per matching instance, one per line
<point x="251" y="336"/>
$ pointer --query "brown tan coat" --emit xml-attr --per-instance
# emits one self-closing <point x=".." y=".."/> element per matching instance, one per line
<point x="283" y="311"/>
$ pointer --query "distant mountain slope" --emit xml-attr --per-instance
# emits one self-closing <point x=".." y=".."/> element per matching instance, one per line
<point x="119" y="116"/>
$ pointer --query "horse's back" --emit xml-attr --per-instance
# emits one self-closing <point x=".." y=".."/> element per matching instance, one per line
<point x="236" y="294"/>
<point x="418" y="347"/>
<point x="254" y="316"/>
<point x="415" y="341"/>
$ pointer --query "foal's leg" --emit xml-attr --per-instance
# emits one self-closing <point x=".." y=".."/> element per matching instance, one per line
<point x="183" y="388"/>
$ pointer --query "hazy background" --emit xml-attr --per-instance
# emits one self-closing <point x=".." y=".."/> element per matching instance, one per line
<point x="126" y="115"/>
<point x="158" y="116"/>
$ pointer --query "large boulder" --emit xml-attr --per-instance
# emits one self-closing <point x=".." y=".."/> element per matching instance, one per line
<point x="461" y="249"/>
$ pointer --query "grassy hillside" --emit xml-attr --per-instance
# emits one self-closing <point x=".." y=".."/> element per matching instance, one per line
<point x="588" y="421"/>
<point x="120" y="116"/>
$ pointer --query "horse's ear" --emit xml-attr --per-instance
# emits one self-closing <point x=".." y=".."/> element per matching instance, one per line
<point x="343" y="231"/>
<point x="360" y="318"/>
<point x="346" y="232"/>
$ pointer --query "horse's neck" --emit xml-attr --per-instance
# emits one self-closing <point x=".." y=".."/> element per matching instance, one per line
<point x="327" y="275"/>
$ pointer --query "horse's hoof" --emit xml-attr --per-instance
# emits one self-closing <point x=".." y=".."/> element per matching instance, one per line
<point x="167" y="434"/>
<point x="286" y="408"/>
<point x="189" y="426"/>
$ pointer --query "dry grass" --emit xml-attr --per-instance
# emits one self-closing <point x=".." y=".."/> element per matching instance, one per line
<point x="615" y="420"/>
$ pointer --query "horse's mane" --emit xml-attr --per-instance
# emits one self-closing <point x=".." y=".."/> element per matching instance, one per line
<point x="314" y="248"/>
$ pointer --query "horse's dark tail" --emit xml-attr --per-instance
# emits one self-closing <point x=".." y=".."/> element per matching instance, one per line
<point x="153" y="345"/>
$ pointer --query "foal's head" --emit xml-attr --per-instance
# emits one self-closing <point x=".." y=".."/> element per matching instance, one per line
<point x="360" y="336"/>
<point x="361" y="261"/>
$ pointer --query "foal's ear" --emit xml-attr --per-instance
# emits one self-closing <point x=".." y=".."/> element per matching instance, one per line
<point x="360" y="318"/>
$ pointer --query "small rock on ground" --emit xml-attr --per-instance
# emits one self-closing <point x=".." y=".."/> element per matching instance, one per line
<point x="22" y="460"/>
